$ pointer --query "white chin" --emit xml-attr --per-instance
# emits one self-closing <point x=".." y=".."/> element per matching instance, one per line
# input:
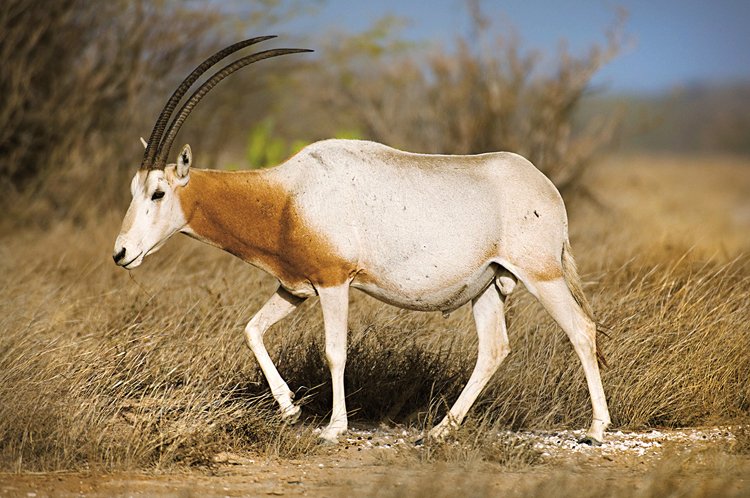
<point x="153" y="250"/>
<point x="134" y="264"/>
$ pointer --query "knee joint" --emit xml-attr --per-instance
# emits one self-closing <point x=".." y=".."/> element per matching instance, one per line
<point x="335" y="359"/>
<point x="253" y="335"/>
<point x="499" y="353"/>
<point x="503" y="351"/>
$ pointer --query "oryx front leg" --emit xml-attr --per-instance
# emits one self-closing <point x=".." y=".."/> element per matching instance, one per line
<point x="277" y="307"/>
<point x="489" y="317"/>
<point x="335" y="304"/>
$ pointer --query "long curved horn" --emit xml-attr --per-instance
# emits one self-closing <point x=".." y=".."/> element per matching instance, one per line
<point x="153" y="141"/>
<point x="196" y="97"/>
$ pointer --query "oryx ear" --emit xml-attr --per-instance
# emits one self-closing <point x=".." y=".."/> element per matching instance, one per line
<point x="145" y="144"/>
<point x="184" y="160"/>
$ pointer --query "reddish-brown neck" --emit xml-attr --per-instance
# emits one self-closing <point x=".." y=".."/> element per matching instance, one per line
<point x="253" y="216"/>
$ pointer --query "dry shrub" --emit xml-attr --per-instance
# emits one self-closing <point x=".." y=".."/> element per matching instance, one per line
<point x="679" y="350"/>
<point x="78" y="82"/>
<point x="81" y="81"/>
<point x="393" y="365"/>
<point x="477" y="96"/>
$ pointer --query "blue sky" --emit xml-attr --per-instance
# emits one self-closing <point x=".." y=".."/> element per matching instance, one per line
<point x="674" y="42"/>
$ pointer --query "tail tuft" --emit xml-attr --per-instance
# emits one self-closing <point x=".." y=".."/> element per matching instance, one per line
<point x="570" y="273"/>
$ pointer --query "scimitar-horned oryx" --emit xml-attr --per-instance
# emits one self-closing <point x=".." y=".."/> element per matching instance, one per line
<point x="422" y="232"/>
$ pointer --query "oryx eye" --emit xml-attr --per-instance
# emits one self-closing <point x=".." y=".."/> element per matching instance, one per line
<point x="157" y="195"/>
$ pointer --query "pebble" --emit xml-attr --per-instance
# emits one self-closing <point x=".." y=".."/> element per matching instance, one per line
<point x="554" y="443"/>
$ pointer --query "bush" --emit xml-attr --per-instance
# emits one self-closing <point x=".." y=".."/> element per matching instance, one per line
<point x="476" y="97"/>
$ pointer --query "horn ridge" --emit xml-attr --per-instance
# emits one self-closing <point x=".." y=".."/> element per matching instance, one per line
<point x="196" y="97"/>
<point x="152" y="146"/>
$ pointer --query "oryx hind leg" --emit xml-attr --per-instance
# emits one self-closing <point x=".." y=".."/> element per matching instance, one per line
<point x="557" y="299"/>
<point x="277" y="307"/>
<point x="489" y="317"/>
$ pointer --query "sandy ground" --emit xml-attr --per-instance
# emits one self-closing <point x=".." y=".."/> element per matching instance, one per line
<point x="385" y="462"/>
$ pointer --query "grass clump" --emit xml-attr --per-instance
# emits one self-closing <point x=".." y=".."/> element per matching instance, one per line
<point x="474" y="443"/>
<point x="742" y="440"/>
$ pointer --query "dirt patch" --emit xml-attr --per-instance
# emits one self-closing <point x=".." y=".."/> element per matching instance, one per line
<point x="381" y="462"/>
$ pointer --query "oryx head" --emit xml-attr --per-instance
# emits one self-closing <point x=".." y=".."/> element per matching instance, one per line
<point x="155" y="213"/>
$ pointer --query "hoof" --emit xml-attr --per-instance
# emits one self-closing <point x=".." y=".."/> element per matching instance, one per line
<point x="590" y="441"/>
<point x="330" y="435"/>
<point x="440" y="435"/>
<point x="436" y="437"/>
<point x="327" y="442"/>
<point x="292" y="415"/>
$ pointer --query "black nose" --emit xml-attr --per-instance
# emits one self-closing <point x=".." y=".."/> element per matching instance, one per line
<point x="118" y="257"/>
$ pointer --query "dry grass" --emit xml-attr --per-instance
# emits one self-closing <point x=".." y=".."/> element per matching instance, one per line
<point x="476" y="442"/>
<point x="701" y="474"/>
<point x="742" y="442"/>
<point x="78" y="80"/>
<point x="101" y="369"/>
